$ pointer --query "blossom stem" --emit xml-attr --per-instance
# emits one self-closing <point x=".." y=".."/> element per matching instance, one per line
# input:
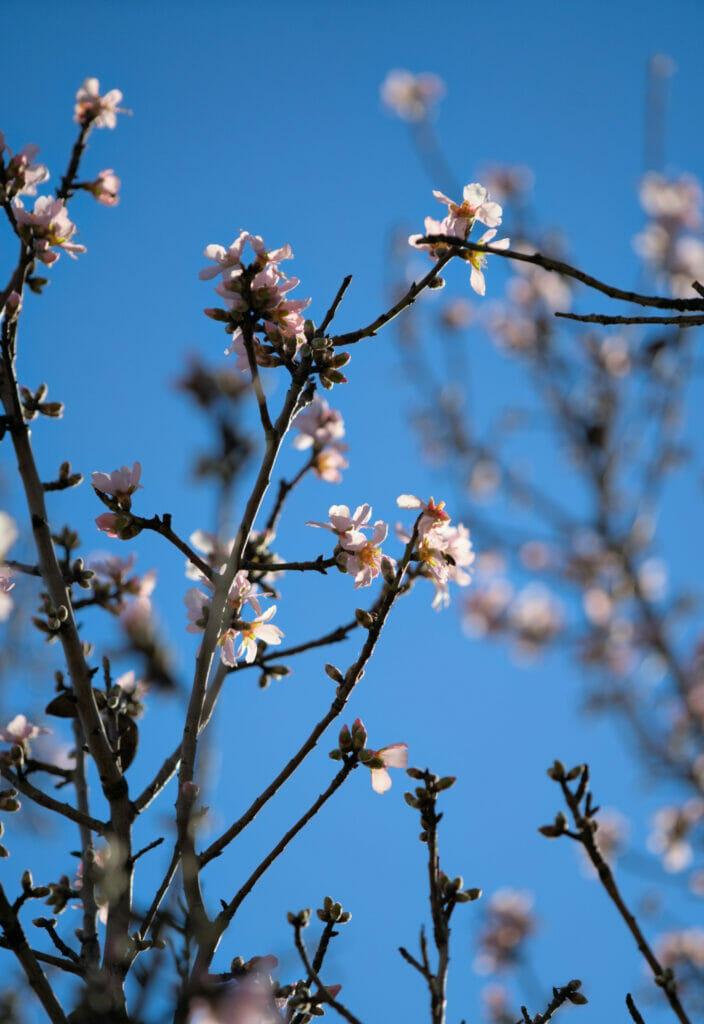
<point x="313" y="976"/>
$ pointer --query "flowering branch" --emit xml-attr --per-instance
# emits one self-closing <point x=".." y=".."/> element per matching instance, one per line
<point x="560" y="267"/>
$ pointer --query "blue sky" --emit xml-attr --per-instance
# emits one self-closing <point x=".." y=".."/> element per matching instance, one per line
<point x="270" y="120"/>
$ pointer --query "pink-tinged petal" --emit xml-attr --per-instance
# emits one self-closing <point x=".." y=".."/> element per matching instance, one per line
<point x="409" y="501"/>
<point x="476" y="279"/>
<point x="503" y="243"/>
<point x="361" y="515"/>
<point x="227" y="650"/>
<point x="380" y="531"/>
<point x="443" y="198"/>
<point x="395" y="755"/>
<point x="487" y="237"/>
<point x="490" y="214"/>
<point x="381" y="780"/>
<point x="270" y="634"/>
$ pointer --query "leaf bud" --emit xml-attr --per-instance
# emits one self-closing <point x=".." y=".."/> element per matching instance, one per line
<point x="364" y="618"/>
<point x="279" y="671"/>
<point x="334" y="673"/>
<point x="27" y="881"/>
<point x="557" y="771"/>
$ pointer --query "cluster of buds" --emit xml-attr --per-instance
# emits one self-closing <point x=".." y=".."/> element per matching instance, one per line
<point x="331" y="912"/>
<point x="33" y="404"/>
<point x="50" y="619"/>
<point x="19" y="175"/>
<point x="476" y="206"/>
<point x="115" y="490"/>
<point x="59" y="894"/>
<point x="352" y="743"/>
<point x="327" y="363"/>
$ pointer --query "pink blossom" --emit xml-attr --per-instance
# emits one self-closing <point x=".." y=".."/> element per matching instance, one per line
<point x="448" y="227"/>
<point x="433" y="515"/>
<point x="328" y="463"/>
<point x="393" y="756"/>
<point x="121" y="483"/>
<point x="363" y="556"/>
<point x="477" y="260"/>
<point x="259" y="629"/>
<point x="475" y="205"/>
<point x="6" y="585"/>
<point x="22" y="175"/>
<point x="94" y="109"/>
<point x="108" y="523"/>
<point x="345" y="526"/>
<point x="411" y="96"/>
<point x="318" y="425"/>
<point x="20" y="731"/>
<point x="105" y="188"/>
<point x="48" y="225"/>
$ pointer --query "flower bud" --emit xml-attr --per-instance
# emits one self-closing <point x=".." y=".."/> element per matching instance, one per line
<point x="334" y="674"/>
<point x="364" y="618"/>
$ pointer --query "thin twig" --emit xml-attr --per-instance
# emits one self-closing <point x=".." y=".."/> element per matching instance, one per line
<point x="17" y="942"/>
<point x="330" y="315"/>
<point x="25" y="787"/>
<point x="312" y="973"/>
<point x="600" y="318"/>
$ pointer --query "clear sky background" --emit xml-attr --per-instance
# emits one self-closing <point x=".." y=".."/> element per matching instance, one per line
<point x="269" y="119"/>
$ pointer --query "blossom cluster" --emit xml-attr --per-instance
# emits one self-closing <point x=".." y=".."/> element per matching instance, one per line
<point x="322" y="429"/>
<point x="96" y="110"/>
<point x="671" y="241"/>
<point x="357" y="554"/>
<point x="443" y="551"/>
<point x="19" y="175"/>
<point x="46" y="227"/>
<point x="476" y="206"/>
<point x="239" y="638"/>
<point x="116" y="490"/>
<point x="256" y="292"/>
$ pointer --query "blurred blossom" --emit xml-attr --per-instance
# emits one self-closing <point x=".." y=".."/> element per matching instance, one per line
<point x="671" y="835"/>
<point x="508" y="183"/>
<point x="615" y="356"/>
<point x="677" y="200"/>
<point x="652" y="577"/>
<point x="484" y="479"/>
<point x="457" y="314"/>
<point x="509" y="921"/>
<point x="483" y="610"/>
<point x="497" y="1009"/>
<point x="611" y="838"/>
<point x="411" y="96"/>
<point x="535" y="555"/>
<point x="683" y="951"/>
<point x="597" y="605"/>
<point x="536" y="615"/>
